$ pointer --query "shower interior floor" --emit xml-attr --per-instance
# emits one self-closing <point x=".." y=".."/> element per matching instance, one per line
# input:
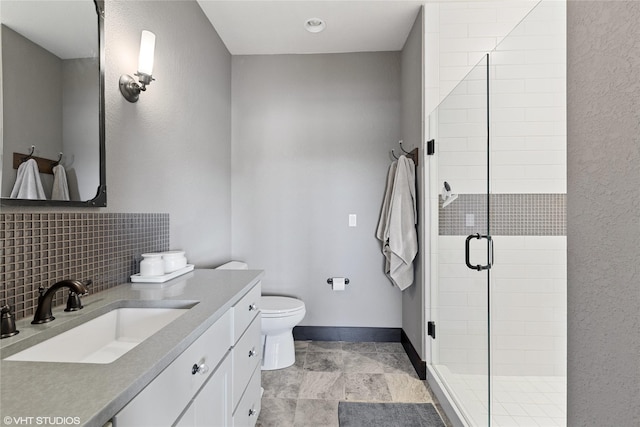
<point x="531" y="401"/>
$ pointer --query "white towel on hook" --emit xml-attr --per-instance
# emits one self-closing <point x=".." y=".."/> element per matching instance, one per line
<point x="28" y="184"/>
<point x="60" y="190"/>
<point x="382" y="232"/>
<point x="401" y="240"/>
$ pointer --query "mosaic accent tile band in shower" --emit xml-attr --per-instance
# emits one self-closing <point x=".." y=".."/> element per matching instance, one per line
<point x="510" y="215"/>
<point x="40" y="249"/>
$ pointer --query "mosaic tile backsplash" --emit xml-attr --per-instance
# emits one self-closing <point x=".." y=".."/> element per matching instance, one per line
<point x="40" y="249"/>
<point x="510" y="215"/>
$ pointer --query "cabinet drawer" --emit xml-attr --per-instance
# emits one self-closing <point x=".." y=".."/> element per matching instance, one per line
<point x="154" y="406"/>
<point x="245" y="311"/>
<point x="248" y="409"/>
<point x="247" y="355"/>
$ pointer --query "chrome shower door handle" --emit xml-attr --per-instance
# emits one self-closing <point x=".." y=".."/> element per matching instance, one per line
<point x="467" y="252"/>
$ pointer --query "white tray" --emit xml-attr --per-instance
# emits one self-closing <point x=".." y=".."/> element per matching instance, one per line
<point x="137" y="278"/>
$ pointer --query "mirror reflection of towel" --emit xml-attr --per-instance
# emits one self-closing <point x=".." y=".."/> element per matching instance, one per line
<point x="60" y="189"/>
<point x="28" y="184"/>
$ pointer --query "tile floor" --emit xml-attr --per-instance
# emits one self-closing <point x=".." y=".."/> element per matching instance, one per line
<point x="307" y="393"/>
<point x="518" y="401"/>
<point x="529" y="401"/>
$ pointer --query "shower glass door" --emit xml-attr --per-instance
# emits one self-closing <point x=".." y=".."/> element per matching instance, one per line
<point x="462" y="257"/>
<point x="528" y="197"/>
<point x="501" y="333"/>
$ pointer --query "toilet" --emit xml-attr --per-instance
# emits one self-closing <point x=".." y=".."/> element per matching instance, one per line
<point x="279" y="315"/>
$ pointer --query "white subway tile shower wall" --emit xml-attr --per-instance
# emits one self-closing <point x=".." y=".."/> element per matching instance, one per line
<point x="528" y="105"/>
<point x="527" y="98"/>
<point x="458" y="34"/>
<point x="528" y="307"/>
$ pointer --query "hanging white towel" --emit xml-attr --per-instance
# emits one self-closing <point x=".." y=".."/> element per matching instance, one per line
<point x="60" y="189"/>
<point x="28" y="184"/>
<point x="399" y="229"/>
<point x="382" y="232"/>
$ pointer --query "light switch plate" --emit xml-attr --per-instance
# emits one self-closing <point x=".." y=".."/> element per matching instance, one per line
<point x="353" y="220"/>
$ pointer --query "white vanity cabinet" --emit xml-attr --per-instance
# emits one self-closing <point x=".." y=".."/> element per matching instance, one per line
<point x="246" y="358"/>
<point x="215" y="382"/>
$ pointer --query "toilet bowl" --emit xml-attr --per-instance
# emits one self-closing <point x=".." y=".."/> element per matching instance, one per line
<point x="279" y="316"/>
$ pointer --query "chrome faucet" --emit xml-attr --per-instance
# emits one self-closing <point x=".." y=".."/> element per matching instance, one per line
<point x="43" y="312"/>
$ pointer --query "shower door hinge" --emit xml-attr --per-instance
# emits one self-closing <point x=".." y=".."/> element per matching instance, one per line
<point x="431" y="329"/>
<point x="431" y="147"/>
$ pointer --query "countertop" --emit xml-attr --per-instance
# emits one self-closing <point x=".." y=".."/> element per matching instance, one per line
<point x="82" y="394"/>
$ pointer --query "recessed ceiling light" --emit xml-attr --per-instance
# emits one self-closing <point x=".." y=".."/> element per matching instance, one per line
<point x="314" y="25"/>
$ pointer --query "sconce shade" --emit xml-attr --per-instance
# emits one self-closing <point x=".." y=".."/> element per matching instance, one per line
<point x="131" y="89"/>
<point x="147" y="47"/>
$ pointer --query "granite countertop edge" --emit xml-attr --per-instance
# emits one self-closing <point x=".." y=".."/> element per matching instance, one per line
<point x="91" y="394"/>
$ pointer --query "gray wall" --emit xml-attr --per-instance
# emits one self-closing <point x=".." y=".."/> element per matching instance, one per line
<point x="413" y="302"/>
<point x="80" y="126"/>
<point x="170" y="151"/>
<point x="32" y="85"/>
<point x="603" y="213"/>
<point x="311" y="142"/>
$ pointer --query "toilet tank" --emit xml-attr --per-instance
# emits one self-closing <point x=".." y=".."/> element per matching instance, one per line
<point x="233" y="265"/>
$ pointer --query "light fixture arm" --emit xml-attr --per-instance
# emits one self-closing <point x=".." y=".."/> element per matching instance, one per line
<point x="131" y="89"/>
<point x="144" y="79"/>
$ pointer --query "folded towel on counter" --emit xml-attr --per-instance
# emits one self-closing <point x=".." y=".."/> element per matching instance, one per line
<point x="60" y="189"/>
<point x="397" y="229"/>
<point x="28" y="184"/>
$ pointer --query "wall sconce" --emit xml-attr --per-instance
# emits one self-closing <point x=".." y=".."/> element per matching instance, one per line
<point x="131" y="89"/>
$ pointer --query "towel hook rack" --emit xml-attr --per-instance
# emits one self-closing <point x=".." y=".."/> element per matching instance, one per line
<point x="44" y="165"/>
<point x="393" y="153"/>
<point x="30" y="155"/>
<point x="401" y="147"/>
<point x="57" y="162"/>
<point x="413" y="154"/>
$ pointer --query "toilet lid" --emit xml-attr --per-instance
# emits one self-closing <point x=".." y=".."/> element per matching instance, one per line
<point x="272" y="305"/>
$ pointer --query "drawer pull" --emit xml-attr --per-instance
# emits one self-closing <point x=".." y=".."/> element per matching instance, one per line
<point x="253" y="307"/>
<point x="252" y="412"/>
<point x="252" y="352"/>
<point x="202" y="369"/>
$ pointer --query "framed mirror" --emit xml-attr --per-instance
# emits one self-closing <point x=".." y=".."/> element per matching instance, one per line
<point x="53" y="103"/>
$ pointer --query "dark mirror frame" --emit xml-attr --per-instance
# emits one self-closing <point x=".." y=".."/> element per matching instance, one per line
<point x="100" y="200"/>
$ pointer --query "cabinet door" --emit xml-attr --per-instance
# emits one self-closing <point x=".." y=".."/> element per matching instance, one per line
<point x="166" y="397"/>
<point x="212" y="405"/>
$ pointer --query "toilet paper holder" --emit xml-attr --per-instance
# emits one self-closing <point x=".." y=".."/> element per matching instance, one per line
<point x="330" y="281"/>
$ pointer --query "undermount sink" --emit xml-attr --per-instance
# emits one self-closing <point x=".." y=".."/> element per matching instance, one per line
<point x="103" y="339"/>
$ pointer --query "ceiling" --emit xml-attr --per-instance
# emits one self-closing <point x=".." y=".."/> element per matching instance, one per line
<point x="247" y="27"/>
<point x="277" y="27"/>
<point x="68" y="29"/>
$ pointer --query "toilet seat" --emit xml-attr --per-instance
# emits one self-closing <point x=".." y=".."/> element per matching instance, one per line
<point x="274" y="306"/>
